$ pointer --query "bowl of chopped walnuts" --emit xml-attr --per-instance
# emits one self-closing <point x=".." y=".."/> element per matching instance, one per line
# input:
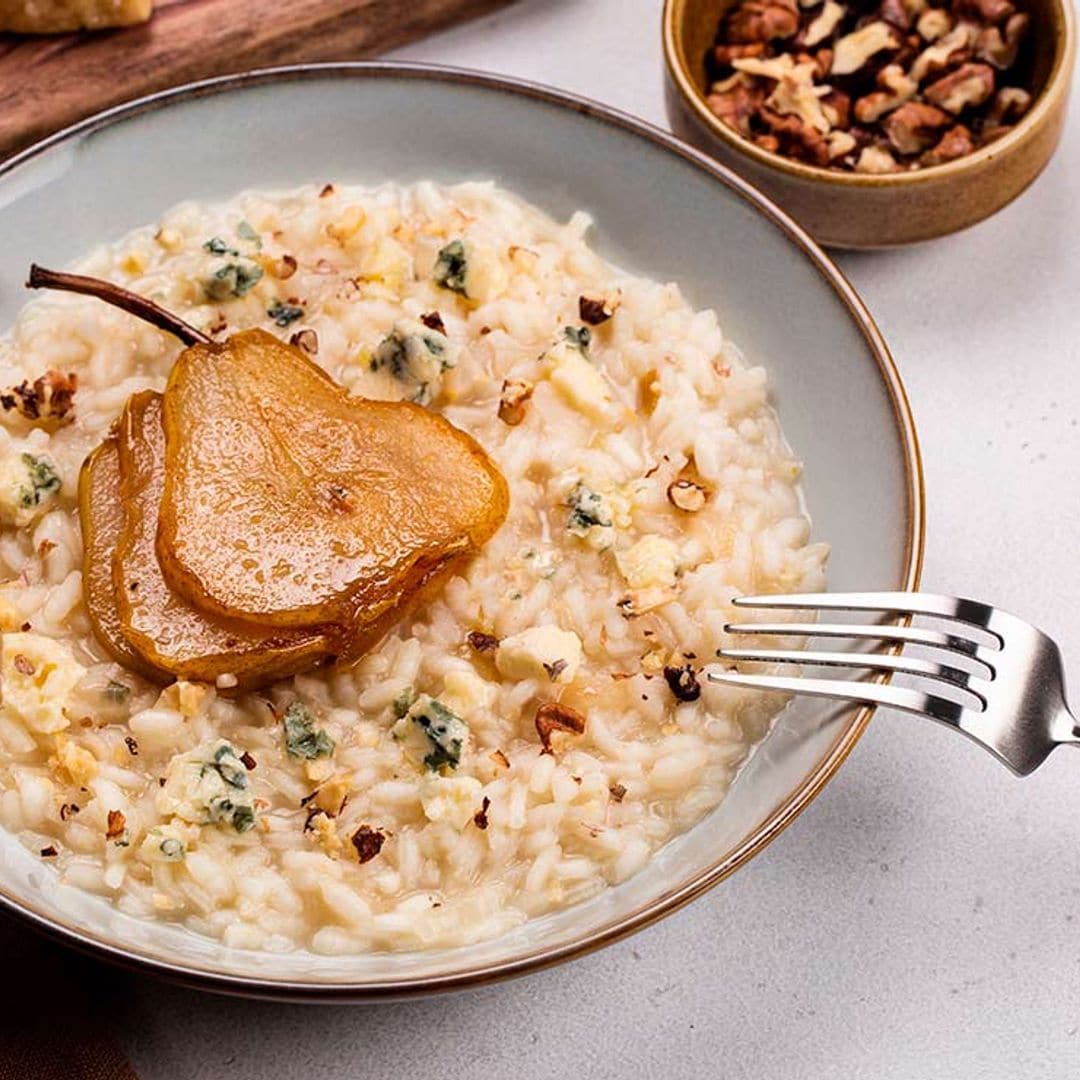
<point x="874" y="123"/>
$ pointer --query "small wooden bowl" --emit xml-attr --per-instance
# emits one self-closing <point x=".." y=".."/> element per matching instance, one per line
<point x="855" y="210"/>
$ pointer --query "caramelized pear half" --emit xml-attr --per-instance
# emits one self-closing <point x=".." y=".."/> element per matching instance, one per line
<point x="290" y="503"/>
<point x="101" y="517"/>
<point x="157" y="624"/>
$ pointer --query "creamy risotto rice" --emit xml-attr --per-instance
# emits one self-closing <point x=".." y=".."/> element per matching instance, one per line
<point x="408" y="802"/>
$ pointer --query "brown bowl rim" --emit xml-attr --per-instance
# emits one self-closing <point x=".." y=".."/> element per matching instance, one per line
<point x="682" y="892"/>
<point x="1058" y="78"/>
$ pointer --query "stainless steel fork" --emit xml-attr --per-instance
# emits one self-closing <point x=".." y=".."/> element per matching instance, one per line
<point x="1000" y="680"/>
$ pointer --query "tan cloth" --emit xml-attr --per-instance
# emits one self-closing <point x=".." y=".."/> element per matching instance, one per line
<point x="55" y="1013"/>
<point x="58" y="16"/>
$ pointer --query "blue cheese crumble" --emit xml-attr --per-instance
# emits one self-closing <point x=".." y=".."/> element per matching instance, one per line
<point x="29" y="485"/>
<point x="430" y="732"/>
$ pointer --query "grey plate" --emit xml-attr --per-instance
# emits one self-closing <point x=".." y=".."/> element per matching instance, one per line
<point x="662" y="210"/>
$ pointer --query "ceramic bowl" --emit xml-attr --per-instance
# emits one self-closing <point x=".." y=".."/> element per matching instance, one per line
<point x="848" y="210"/>
<point x="661" y="209"/>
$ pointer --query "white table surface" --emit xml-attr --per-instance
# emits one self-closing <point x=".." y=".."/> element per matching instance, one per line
<point x="922" y="920"/>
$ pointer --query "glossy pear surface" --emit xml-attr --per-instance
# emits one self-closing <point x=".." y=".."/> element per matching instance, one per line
<point x="101" y="517"/>
<point x="164" y="630"/>
<point x="291" y="503"/>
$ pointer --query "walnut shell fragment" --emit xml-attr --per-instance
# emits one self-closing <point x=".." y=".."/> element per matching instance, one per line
<point x="552" y="717"/>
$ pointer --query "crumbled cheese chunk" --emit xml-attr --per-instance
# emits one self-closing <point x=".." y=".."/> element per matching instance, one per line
<point x="577" y="382"/>
<point x="465" y="692"/>
<point x="208" y="786"/>
<point x="591" y="517"/>
<point x="73" y="763"/>
<point x="485" y="276"/>
<point x="652" y="562"/>
<point x="37" y="675"/>
<point x="414" y="357"/>
<point x="332" y="794"/>
<point x="431" y="733"/>
<point x="323" y="830"/>
<point x="29" y="485"/>
<point x="387" y="263"/>
<point x="166" y="843"/>
<point x="348" y="223"/>
<point x="453" y="799"/>
<point x="541" y="652"/>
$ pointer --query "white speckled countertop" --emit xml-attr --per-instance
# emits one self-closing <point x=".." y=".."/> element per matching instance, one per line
<point x="922" y="920"/>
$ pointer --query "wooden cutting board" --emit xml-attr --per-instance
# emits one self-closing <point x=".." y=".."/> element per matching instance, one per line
<point x="47" y="83"/>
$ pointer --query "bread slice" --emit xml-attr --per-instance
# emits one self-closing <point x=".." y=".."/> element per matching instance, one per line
<point x="60" y="16"/>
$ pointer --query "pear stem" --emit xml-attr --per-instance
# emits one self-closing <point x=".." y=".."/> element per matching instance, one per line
<point x="132" y="303"/>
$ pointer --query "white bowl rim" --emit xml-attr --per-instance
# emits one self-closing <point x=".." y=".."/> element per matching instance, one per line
<point x="399" y="988"/>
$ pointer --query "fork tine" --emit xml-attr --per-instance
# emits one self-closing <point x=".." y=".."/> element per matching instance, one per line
<point x="906" y="635"/>
<point x="910" y="665"/>
<point x="894" y="697"/>
<point x="895" y="603"/>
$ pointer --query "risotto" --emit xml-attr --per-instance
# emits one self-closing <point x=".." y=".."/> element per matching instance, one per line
<point x="544" y="722"/>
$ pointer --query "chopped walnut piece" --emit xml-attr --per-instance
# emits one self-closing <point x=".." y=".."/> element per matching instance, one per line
<point x="896" y="88"/>
<point x="944" y="53"/>
<point x="683" y="682"/>
<point x="368" y="843"/>
<point x="433" y="321"/>
<point x="872" y="88"/>
<point x="823" y="62"/>
<point x="595" y="310"/>
<point x="956" y="142"/>
<point x="500" y="759"/>
<point x="876" y="160"/>
<point x="841" y="143"/>
<point x="797" y="139"/>
<point x="824" y="24"/>
<point x="723" y="55"/>
<point x="991" y="11"/>
<point x="686" y="495"/>
<point x="1010" y="103"/>
<point x="836" y="105"/>
<point x="897" y="13"/>
<point x="794" y="93"/>
<point x="737" y="102"/>
<point x="115" y="825"/>
<point x="281" y="268"/>
<point x="762" y="20"/>
<point x="482" y="642"/>
<point x="968" y="86"/>
<point x="915" y="126"/>
<point x="514" y="398"/>
<point x="50" y="397"/>
<point x="854" y="51"/>
<point x="1001" y="48"/>
<point x="307" y="340"/>
<point x="617" y="792"/>
<point x="934" y="23"/>
<point x="552" y="717"/>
